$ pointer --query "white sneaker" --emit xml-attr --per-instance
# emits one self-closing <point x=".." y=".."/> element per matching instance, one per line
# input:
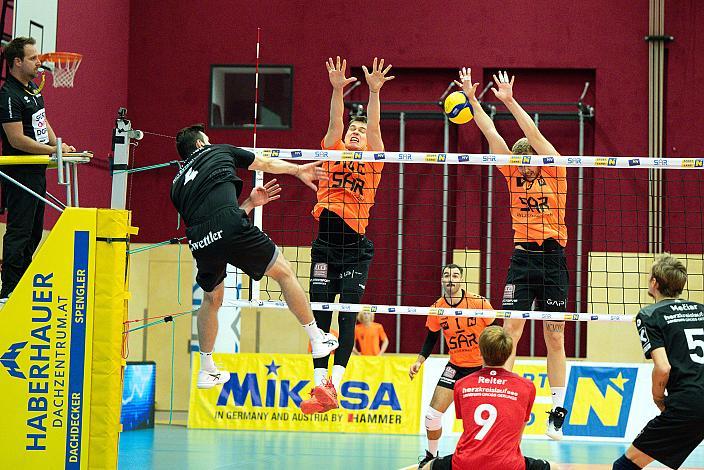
<point x="323" y="347"/>
<point x="3" y="301"/>
<point x="556" y="419"/>
<point x="208" y="379"/>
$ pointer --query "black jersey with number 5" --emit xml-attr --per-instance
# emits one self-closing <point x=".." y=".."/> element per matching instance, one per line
<point x="208" y="181"/>
<point x="677" y="326"/>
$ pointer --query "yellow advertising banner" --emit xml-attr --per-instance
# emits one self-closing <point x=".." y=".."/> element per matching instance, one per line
<point x="265" y="392"/>
<point x="46" y="352"/>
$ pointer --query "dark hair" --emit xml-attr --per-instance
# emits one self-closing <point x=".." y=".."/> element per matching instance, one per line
<point x="186" y="139"/>
<point x="15" y="49"/>
<point x="358" y="118"/>
<point x="451" y="266"/>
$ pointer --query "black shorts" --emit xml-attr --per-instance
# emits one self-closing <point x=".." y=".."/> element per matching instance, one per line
<point x="340" y="269"/>
<point x="670" y="437"/>
<point x="228" y="237"/>
<point x="539" y="276"/>
<point x="445" y="463"/>
<point x="453" y="373"/>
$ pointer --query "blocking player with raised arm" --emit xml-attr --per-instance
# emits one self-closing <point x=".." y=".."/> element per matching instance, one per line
<point x="205" y="192"/>
<point x="538" y="269"/>
<point x="494" y="405"/>
<point x="341" y="254"/>
<point x="461" y="336"/>
<point x="671" y="333"/>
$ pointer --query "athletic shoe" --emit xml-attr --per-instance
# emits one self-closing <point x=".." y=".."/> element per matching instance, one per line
<point x="312" y="405"/>
<point x="322" y="398"/>
<point x="427" y="458"/>
<point x="326" y="395"/>
<point x="556" y="418"/>
<point x="3" y="301"/>
<point x="208" y="379"/>
<point x="323" y="347"/>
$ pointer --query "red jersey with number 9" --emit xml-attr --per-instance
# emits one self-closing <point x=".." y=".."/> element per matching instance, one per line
<point x="461" y="333"/>
<point x="494" y="406"/>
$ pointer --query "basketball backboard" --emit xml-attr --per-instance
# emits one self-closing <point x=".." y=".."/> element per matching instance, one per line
<point x="37" y="19"/>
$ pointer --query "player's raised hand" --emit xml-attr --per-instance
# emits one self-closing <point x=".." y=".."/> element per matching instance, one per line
<point x="377" y="77"/>
<point x="465" y="82"/>
<point x="261" y="195"/>
<point x="336" y="73"/>
<point x="311" y="172"/>
<point x="504" y="86"/>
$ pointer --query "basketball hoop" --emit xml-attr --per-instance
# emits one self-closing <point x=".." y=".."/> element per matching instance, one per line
<point x="65" y="67"/>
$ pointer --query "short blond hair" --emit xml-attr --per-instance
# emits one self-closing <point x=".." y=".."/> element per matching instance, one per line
<point x="522" y="147"/>
<point x="496" y="346"/>
<point x="670" y="274"/>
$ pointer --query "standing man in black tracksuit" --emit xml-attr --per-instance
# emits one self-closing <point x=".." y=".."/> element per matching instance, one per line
<point x="25" y="131"/>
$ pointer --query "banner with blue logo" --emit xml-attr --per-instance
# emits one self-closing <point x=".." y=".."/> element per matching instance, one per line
<point x="606" y="401"/>
<point x="46" y="352"/>
<point x="265" y="392"/>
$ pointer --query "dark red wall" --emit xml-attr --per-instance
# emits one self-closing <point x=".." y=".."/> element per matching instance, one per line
<point x="84" y="115"/>
<point x="552" y="47"/>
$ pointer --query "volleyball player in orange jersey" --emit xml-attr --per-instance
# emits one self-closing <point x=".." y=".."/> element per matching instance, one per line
<point x="538" y="269"/>
<point x="462" y="336"/>
<point x="341" y="254"/>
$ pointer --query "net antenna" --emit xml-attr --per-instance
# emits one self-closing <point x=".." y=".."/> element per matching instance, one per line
<point x="62" y="66"/>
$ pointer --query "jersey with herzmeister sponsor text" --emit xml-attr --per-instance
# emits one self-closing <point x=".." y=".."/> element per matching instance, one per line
<point x="208" y="181"/>
<point x="350" y="190"/>
<point x="677" y="326"/>
<point x="461" y="333"/>
<point x="494" y="406"/>
<point x="19" y="103"/>
<point x="538" y="206"/>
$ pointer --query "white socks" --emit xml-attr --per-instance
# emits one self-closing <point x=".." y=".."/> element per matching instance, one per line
<point x="313" y="331"/>
<point x="206" y="362"/>
<point x="337" y="373"/>
<point x="558" y="397"/>
<point x="433" y="446"/>
<point x="319" y="374"/>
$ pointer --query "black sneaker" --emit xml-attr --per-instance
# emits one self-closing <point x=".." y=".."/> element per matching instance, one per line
<point x="424" y="460"/>
<point x="556" y="418"/>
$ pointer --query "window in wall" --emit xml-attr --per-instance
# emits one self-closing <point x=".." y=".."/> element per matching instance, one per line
<point x="232" y="96"/>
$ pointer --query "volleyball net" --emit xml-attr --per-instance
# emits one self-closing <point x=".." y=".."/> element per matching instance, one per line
<point x="432" y="209"/>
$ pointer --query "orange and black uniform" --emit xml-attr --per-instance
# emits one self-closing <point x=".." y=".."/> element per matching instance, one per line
<point x="461" y="336"/>
<point x="341" y="255"/>
<point x="538" y="269"/>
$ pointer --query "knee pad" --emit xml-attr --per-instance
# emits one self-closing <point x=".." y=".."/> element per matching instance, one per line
<point x="623" y="463"/>
<point x="433" y="419"/>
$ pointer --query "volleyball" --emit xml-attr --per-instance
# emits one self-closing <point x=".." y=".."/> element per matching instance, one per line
<point x="457" y="108"/>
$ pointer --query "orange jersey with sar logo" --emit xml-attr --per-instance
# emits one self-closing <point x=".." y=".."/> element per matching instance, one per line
<point x="461" y="333"/>
<point x="538" y="206"/>
<point x="350" y="190"/>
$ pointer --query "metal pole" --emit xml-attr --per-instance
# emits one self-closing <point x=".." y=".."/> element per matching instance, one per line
<point x="121" y="135"/>
<point x="17" y="183"/>
<point x="580" y="237"/>
<point x="74" y="169"/>
<point x="445" y="200"/>
<point x="60" y="161"/>
<point x="67" y="173"/>
<point x="399" y="227"/>
<point x="489" y="220"/>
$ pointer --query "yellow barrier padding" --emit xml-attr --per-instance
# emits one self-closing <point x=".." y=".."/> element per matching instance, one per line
<point x="60" y="348"/>
<point x="111" y="296"/>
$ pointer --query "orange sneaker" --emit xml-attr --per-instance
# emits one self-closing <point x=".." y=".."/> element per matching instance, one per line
<point x="326" y="395"/>
<point x="322" y="398"/>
